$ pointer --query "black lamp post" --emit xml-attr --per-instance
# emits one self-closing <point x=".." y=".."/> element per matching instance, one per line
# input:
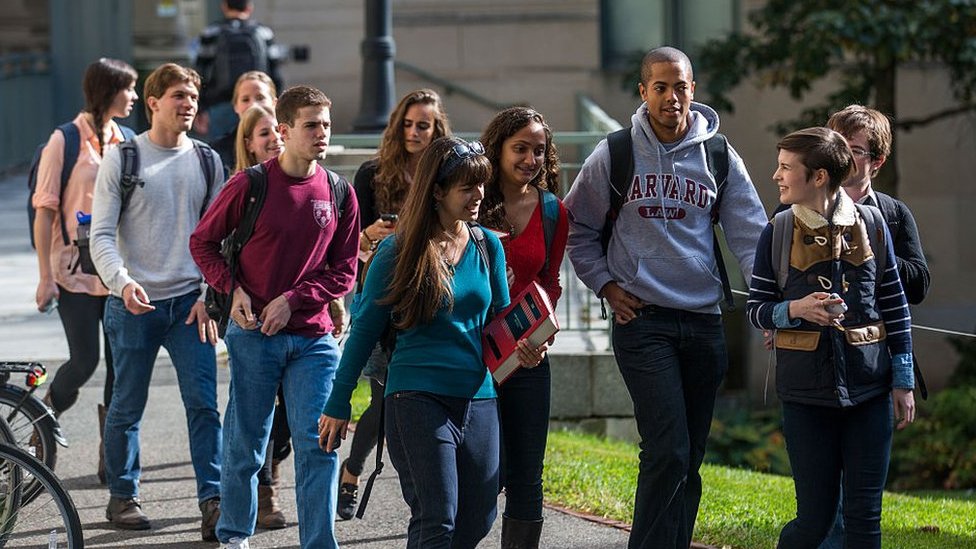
<point x="378" y="49"/>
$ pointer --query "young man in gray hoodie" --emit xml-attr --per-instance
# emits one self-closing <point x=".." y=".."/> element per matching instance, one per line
<point x="141" y="251"/>
<point x="659" y="275"/>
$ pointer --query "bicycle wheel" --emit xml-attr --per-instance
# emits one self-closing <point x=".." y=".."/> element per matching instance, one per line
<point x="51" y="519"/>
<point x="32" y="426"/>
<point x="11" y="483"/>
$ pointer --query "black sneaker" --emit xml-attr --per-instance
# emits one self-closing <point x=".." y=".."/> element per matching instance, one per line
<point x="348" y="497"/>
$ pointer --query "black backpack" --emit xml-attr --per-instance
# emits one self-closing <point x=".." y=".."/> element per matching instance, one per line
<point x="239" y="49"/>
<point x="218" y="303"/>
<point x="620" y="144"/>
<point x="72" y="144"/>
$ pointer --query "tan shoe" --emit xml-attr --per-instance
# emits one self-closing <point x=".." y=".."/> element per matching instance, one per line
<point x="270" y="516"/>
<point x="126" y="514"/>
<point x="210" y="509"/>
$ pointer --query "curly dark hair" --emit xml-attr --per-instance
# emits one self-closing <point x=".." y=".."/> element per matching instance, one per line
<point x="504" y="125"/>
<point x="389" y="185"/>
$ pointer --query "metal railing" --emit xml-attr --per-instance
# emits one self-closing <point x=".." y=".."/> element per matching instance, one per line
<point x="578" y="309"/>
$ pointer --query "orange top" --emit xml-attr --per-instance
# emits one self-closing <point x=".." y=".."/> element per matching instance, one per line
<point x="77" y="197"/>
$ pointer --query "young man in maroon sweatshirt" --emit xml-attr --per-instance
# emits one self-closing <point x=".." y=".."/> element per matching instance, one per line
<point x="301" y="255"/>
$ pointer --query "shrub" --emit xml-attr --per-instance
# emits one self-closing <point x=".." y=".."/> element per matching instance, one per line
<point x="750" y="440"/>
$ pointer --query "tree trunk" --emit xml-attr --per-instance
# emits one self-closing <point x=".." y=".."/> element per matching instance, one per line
<point x="884" y="100"/>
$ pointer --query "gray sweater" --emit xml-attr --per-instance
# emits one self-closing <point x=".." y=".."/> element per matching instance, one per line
<point x="150" y="243"/>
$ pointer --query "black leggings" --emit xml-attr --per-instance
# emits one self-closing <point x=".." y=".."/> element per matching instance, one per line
<point x="367" y="429"/>
<point x="80" y="315"/>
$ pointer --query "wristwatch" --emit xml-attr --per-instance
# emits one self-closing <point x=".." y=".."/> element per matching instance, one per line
<point x="372" y="243"/>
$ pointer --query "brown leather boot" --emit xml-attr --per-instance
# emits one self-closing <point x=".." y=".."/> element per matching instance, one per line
<point x="269" y="514"/>
<point x="126" y="514"/>
<point x="102" y="412"/>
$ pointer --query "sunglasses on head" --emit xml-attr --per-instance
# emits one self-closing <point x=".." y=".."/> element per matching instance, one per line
<point x="458" y="154"/>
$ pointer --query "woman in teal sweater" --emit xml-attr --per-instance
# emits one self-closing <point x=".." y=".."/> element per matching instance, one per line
<point x="435" y="288"/>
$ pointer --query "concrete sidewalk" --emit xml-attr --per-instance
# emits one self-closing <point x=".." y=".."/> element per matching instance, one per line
<point x="168" y="488"/>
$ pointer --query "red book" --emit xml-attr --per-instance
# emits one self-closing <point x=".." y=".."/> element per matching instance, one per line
<point x="531" y="316"/>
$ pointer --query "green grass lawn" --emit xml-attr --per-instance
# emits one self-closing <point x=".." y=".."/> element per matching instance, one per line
<point x="740" y="509"/>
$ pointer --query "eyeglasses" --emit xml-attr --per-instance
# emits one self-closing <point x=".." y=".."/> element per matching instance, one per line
<point x="858" y="151"/>
<point x="458" y="154"/>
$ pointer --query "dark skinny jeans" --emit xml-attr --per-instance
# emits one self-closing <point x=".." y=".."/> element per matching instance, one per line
<point x="523" y="403"/>
<point x="81" y="315"/>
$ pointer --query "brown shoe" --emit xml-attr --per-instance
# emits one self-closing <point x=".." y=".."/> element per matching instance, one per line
<point x="126" y="514"/>
<point x="270" y="516"/>
<point x="211" y="513"/>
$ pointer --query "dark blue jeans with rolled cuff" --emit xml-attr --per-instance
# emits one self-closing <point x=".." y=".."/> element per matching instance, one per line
<point x="828" y="444"/>
<point x="672" y="363"/>
<point x="523" y="403"/>
<point x="445" y="450"/>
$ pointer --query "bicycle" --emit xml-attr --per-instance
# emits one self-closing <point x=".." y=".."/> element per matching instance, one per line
<point x="32" y="424"/>
<point x="48" y="517"/>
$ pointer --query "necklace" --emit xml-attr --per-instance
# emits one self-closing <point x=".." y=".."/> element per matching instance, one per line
<point x="449" y="248"/>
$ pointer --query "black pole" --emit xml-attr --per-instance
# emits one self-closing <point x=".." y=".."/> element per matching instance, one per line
<point x="378" y="49"/>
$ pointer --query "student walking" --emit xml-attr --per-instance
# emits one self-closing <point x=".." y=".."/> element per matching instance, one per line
<point x="826" y="279"/>
<point x="434" y="283"/>
<point x="139" y="236"/>
<point x="109" y="88"/>
<point x="381" y="187"/>
<point x="520" y="201"/>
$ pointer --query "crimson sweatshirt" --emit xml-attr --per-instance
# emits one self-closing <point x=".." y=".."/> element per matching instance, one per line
<point x="300" y="247"/>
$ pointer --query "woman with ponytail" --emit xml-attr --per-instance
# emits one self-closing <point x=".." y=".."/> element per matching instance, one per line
<point x="109" y="88"/>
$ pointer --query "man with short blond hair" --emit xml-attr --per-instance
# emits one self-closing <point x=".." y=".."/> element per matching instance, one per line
<point x="140" y="229"/>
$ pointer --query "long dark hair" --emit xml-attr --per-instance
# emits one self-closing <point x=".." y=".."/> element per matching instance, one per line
<point x="505" y="124"/>
<point x="389" y="185"/>
<point x="103" y="80"/>
<point x="420" y="284"/>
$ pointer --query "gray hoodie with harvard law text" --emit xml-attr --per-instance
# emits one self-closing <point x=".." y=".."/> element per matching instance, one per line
<point x="661" y="249"/>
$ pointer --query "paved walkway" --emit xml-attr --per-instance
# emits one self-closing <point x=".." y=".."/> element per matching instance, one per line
<point x="167" y="486"/>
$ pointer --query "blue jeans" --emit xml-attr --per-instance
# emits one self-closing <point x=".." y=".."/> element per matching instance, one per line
<point x="825" y="444"/>
<point x="445" y="450"/>
<point x="523" y="403"/>
<point x="672" y="363"/>
<point x="304" y="367"/>
<point x="135" y="342"/>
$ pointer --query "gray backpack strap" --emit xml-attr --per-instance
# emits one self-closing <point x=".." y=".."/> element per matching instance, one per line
<point x="874" y="224"/>
<point x="782" y="245"/>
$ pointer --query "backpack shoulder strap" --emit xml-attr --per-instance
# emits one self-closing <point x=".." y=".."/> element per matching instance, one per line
<point x="621" y="146"/>
<point x="257" y="190"/>
<point x="129" y="154"/>
<point x="205" y="154"/>
<point x="340" y="191"/>
<point x="782" y="246"/>
<point x="72" y="144"/>
<point x="478" y="234"/>
<point x="874" y="224"/>
<point x="717" y="158"/>
<point x="550" y="218"/>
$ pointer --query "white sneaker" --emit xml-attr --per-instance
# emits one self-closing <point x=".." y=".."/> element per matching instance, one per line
<point x="237" y="543"/>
